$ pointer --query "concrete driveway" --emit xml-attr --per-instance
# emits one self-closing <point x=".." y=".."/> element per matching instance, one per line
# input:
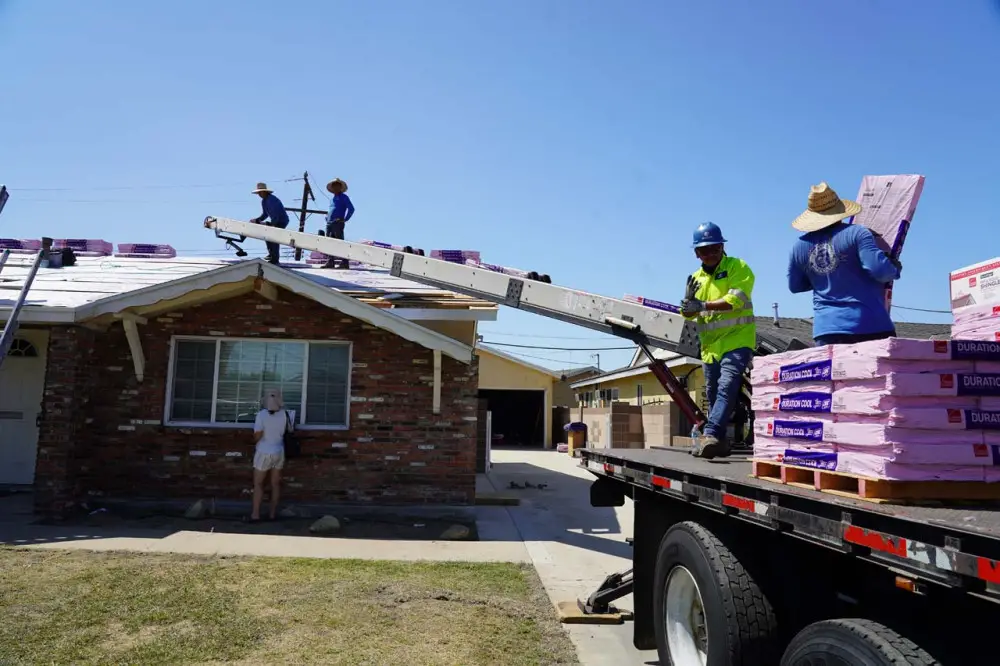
<point x="572" y="544"/>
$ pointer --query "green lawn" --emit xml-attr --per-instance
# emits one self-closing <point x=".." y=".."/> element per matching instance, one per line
<point x="100" y="608"/>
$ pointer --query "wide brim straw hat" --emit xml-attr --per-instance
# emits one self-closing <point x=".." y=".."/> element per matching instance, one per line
<point x="336" y="181"/>
<point x="824" y="208"/>
<point x="262" y="187"/>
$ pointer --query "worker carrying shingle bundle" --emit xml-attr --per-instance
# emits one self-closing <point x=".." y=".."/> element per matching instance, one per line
<point x="844" y="268"/>
<point x="274" y="211"/>
<point x="341" y="211"/>
<point x="718" y="299"/>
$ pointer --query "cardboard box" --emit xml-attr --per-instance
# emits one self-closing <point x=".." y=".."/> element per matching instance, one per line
<point x="978" y="284"/>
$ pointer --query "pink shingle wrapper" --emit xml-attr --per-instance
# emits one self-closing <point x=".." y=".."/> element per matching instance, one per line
<point x="861" y="431"/>
<point x="983" y="455"/>
<point x="886" y="202"/>
<point x="976" y="313"/>
<point x="884" y="464"/>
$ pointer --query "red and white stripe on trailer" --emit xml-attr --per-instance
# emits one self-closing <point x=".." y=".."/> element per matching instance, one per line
<point x="667" y="483"/>
<point x="604" y="468"/>
<point x="745" y="504"/>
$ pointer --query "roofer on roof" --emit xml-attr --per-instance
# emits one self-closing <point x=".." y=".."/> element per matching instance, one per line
<point x="271" y="207"/>
<point x="844" y="268"/>
<point x="718" y="300"/>
<point x="341" y="210"/>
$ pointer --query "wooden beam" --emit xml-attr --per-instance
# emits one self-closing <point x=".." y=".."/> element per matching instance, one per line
<point x="135" y="346"/>
<point x="130" y="316"/>
<point x="436" y="408"/>
<point x="265" y="289"/>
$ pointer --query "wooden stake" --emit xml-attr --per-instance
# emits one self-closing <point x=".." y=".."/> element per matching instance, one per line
<point x="307" y="194"/>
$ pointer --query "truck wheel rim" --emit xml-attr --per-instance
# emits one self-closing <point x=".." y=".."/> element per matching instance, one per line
<point x="684" y="615"/>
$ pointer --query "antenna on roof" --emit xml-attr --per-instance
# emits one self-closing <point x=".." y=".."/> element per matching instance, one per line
<point x="776" y="322"/>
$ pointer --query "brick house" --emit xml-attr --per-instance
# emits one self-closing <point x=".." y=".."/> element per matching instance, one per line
<point x="139" y="379"/>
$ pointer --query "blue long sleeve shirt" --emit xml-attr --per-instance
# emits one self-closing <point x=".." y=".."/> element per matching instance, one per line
<point x="847" y="273"/>
<point x="271" y="207"/>
<point x="341" y="208"/>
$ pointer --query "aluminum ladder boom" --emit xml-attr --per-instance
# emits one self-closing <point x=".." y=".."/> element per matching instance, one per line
<point x="10" y="328"/>
<point x="645" y="326"/>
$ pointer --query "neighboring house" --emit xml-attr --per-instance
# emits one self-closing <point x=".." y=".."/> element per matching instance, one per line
<point x="634" y="385"/>
<point x="519" y="397"/>
<point x="140" y="378"/>
<point x="564" y="395"/>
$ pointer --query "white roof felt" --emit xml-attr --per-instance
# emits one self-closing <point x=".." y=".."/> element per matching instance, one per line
<point x="96" y="278"/>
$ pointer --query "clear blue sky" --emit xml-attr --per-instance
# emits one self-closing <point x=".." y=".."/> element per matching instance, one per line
<point x="567" y="137"/>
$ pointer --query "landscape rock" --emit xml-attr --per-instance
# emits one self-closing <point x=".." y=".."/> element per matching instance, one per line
<point x="325" y="525"/>
<point x="196" y="511"/>
<point x="456" y="533"/>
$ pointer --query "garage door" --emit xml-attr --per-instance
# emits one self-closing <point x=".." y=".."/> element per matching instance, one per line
<point x="22" y="381"/>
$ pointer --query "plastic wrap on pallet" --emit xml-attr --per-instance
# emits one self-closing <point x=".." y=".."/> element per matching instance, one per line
<point x="146" y="251"/>
<point x="85" y="247"/>
<point x="456" y="256"/>
<point x="650" y="303"/>
<point x="21" y="245"/>
<point x="920" y="426"/>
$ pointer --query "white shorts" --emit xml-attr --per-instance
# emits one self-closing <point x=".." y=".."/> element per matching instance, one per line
<point x="266" y="461"/>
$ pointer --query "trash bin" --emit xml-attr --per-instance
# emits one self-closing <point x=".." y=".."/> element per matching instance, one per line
<point x="576" y="436"/>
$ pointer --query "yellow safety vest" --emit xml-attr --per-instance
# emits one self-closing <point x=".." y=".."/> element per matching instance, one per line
<point x="721" y="332"/>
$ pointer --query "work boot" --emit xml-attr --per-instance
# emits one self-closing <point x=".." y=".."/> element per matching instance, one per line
<point x="708" y="447"/>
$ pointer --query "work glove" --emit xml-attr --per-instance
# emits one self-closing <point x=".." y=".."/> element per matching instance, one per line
<point x="691" y="306"/>
<point x="691" y="288"/>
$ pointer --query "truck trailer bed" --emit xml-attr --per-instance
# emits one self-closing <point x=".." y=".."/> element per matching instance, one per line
<point x="956" y="544"/>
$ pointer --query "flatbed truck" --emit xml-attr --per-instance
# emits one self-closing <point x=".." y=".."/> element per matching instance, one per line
<point x="733" y="569"/>
<point x="730" y="569"/>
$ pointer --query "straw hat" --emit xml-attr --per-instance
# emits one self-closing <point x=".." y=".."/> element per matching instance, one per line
<point x="336" y="181"/>
<point x="262" y="187"/>
<point x="824" y="208"/>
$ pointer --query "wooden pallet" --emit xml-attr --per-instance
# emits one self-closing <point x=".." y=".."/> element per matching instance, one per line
<point x="874" y="490"/>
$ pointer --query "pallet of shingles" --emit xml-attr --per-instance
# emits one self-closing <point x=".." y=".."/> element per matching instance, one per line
<point x="897" y="410"/>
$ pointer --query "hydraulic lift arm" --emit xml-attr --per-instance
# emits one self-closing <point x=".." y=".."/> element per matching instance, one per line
<point x="645" y="326"/>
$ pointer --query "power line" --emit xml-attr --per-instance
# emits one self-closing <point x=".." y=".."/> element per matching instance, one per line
<point x="551" y="360"/>
<point x="903" y="307"/>
<point x="542" y="337"/>
<point x="118" y="188"/>
<point x="507" y="344"/>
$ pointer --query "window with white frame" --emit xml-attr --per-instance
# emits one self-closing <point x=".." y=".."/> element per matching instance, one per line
<point x="221" y="380"/>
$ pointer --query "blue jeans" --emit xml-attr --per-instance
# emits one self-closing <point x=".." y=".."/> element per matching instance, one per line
<point x="852" y="338"/>
<point x="273" y="248"/>
<point x="723" y="379"/>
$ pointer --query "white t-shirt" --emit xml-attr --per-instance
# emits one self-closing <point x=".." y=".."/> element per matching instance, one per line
<point x="273" y="426"/>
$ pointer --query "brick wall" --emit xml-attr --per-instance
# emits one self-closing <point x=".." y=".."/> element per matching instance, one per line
<point x="396" y="450"/>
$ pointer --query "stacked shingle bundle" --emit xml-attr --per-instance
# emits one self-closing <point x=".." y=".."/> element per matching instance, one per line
<point x="888" y="409"/>
<point x="975" y="301"/>
<point x="456" y="256"/>
<point x="146" y="251"/>
<point x="85" y="247"/>
<point x="21" y="245"/>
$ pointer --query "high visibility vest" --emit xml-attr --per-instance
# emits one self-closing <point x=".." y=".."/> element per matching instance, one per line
<point x="721" y="332"/>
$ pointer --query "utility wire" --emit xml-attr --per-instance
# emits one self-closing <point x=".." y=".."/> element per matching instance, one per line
<point x="507" y="344"/>
<point x="903" y="307"/>
<point x="551" y="360"/>
<point x="141" y="187"/>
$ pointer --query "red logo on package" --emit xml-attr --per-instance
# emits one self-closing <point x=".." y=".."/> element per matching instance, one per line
<point x="996" y="336"/>
<point x="770" y="428"/>
<point x="954" y="416"/>
<point x="972" y="282"/>
<point x="777" y="402"/>
<point x="947" y="381"/>
<point x="940" y="346"/>
<point x="996" y="310"/>
<point x="775" y="376"/>
<point x="980" y="450"/>
<point x="780" y="457"/>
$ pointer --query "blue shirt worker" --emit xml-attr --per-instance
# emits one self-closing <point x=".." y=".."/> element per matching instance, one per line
<point x="844" y="268"/>
<point x="341" y="210"/>
<point x="274" y="212"/>
<point x="718" y="299"/>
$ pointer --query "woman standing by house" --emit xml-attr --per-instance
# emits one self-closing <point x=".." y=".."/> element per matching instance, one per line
<point x="268" y="434"/>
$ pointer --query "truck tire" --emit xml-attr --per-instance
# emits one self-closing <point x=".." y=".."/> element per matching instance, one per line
<point x="706" y="607"/>
<point x="851" y="642"/>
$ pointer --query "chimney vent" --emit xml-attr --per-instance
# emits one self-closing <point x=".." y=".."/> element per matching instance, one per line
<point x="775" y="306"/>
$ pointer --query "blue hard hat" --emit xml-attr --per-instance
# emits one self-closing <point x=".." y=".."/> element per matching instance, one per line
<point x="708" y="233"/>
